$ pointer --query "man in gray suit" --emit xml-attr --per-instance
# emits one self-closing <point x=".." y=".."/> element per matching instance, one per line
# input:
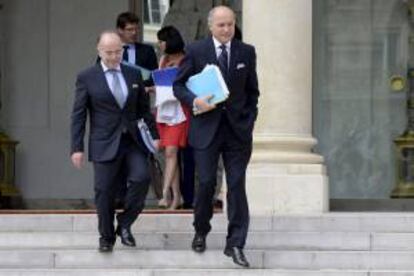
<point x="113" y="95"/>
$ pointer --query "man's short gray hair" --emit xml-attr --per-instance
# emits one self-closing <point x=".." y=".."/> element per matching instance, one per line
<point x="106" y="32"/>
<point x="213" y="10"/>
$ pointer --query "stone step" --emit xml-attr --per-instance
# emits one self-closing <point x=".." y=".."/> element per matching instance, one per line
<point x="358" y="261"/>
<point x="215" y="240"/>
<point x="193" y="272"/>
<point x="346" y="222"/>
<point x="328" y="244"/>
<point x="341" y="260"/>
<point x="188" y="272"/>
<point x="120" y="259"/>
<point x="329" y="222"/>
<point x="332" y="222"/>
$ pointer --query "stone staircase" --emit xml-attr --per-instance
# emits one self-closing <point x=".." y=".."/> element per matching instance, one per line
<point x="352" y="244"/>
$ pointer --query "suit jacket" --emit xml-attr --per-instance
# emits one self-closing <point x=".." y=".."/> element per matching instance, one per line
<point x="241" y="106"/>
<point x="145" y="56"/>
<point x="107" y="120"/>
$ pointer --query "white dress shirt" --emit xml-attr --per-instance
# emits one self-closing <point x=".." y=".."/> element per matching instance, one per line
<point x="217" y="45"/>
<point x="110" y="79"/>
<point x="131" y="53"/>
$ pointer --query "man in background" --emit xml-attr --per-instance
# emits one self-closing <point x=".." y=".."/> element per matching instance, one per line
<point x="135" y="53"/>
<point x="128" y="28"/>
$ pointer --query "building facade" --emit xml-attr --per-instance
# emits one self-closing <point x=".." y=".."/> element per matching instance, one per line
<point x="327" y="115"/>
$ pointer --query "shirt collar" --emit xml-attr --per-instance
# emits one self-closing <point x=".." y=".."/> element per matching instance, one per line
<point x="105" y="68"/>
<point x="217" y="44"/>
<point x="130" y="45"/>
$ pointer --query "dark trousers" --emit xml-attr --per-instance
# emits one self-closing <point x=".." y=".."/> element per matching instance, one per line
<point x="134" y="162"/>
<point x="187" y="176"/>
<point x="236" y="156"/>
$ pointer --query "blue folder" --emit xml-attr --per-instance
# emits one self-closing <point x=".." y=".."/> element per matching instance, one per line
<point x="163" y="81"/>
<point x="209" y="82"/>
<point x="164" y="77"/>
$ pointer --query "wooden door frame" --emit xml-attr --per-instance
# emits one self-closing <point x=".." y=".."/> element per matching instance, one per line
<point x="137" y="7"/>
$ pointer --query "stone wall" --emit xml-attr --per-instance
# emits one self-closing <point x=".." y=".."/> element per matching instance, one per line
<point x="190" y="17"/>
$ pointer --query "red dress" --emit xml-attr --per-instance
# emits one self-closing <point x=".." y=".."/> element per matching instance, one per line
<point x="173" y="135"/>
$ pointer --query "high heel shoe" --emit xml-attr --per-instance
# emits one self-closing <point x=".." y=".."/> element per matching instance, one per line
<point x="163" y="203"/>
<point x="176" y="204"/>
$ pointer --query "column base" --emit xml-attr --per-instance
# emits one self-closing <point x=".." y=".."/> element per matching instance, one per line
<point x="285" y="177"/>
<point x="287" y="189"/>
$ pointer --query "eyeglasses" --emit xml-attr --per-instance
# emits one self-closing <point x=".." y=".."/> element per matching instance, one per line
<point x="131" y="29"/>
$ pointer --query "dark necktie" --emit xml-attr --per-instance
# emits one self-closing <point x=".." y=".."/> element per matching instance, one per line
<point x="125" y="54"/>
<point x="223" y="60"/>
<point x="117" y="88"/>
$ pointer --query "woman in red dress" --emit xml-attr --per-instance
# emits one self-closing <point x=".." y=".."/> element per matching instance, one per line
<point x="173" y="131"/>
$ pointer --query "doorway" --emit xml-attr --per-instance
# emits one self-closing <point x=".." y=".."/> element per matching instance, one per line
<point x="358" y="47"/>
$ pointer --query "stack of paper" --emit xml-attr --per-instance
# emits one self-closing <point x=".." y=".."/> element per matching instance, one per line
<point x="209" y="82"/>
<point x="169" y="109"/>
<point x="163" y="81"/>
<point x="146" y="135"/>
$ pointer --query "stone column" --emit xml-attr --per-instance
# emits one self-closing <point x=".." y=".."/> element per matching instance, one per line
<point x="284" y="175"/>
<point x="1" y="60"/>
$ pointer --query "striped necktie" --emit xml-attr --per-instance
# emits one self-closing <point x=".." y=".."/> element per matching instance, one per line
<point x="223" y="60"/>
<point x="117" y="88"/>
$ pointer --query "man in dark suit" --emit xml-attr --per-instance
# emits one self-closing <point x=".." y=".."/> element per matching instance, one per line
<point x="113" y="95"/>
<point x="135" y="53"/>
<point x="224" y="129"/>
<point x="127" y="25"/>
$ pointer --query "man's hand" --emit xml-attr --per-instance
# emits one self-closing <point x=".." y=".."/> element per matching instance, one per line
<point x="202" y="105"/>
<point x="150" y="89"/>
<point x="157" y="144"/>
<point x="77" y="159"/>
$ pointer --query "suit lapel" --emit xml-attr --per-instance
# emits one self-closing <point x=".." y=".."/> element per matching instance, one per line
<point x="104" y="84"/>
<point x="213" y="59"/>
<point x="100" y="75"/>
<point x="128" y="81"/>
<point x="138" y="55"/>
<point x="234" y="56"/>
<point x="211" y="52"/>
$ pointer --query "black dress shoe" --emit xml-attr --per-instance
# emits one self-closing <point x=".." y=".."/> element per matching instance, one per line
<point x="187" y="206"/>
<point x="199" y="243"/>
<point x="126" y="236"/>
<point x="105" y="245"/>
<point x="237" y="255"/>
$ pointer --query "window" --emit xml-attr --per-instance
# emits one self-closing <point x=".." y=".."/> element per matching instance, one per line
<point x="154" y="11"/>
